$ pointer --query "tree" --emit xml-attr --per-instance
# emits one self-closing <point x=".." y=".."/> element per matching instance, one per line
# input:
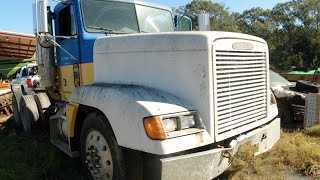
<point x="256" y="21"/>
<point x="291" y="30"/>
<point x="298" y="27"/>
<point x="220" y="19"/>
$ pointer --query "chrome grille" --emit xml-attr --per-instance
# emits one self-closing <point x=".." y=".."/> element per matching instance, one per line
<point x="240" y="86"/>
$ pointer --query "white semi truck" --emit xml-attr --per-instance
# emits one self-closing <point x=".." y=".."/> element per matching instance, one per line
<point x="136" y="100"/>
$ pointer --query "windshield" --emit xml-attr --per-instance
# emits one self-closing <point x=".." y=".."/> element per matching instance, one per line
<point x="108" y="16"/>
<point x="102" y="16"/>
<point x="154" y="20"/>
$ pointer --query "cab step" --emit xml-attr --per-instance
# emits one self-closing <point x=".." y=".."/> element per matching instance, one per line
<point x="55" y="136"/>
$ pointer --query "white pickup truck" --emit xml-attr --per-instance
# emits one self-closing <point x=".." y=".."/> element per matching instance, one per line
<point x="26" y="78"/>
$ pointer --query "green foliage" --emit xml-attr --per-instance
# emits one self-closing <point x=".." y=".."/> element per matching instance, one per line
<point x="292" y="29"/>
<point x="220" y="19"/>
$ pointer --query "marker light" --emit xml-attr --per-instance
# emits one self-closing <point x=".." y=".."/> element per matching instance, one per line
<point x="154" y="128"/>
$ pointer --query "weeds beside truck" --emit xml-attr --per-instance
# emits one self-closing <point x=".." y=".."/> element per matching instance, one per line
<point x="155" y="105"/>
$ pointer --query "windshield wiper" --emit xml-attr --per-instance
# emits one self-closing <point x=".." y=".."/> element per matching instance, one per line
<point x="106" y="30"/>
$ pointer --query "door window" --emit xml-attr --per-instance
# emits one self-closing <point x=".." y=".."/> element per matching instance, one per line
<point x="67" y="24"/>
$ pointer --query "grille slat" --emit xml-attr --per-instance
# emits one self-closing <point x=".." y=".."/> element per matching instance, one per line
<point x="229" y="93"/>
<point x="239" y="79"/>
<point x="239" y="108"/>
<point x="235" y="66"/>
<point x="240" y="75"/>
<point x="239" y="54"/>
<point x="246" y="122"/>
<point x="231" y="106"/>
<point x="225" y="120"/>
<point x="242" y="70"/>
<point x="239" y="62"/>
<point x="240" y="95"/>
<point x="239" y="58"/>
<point x="242" y="99"/>
<point x="241" y="87"/>
<point x="244" y="82"/>
<point x="240" y="82"/>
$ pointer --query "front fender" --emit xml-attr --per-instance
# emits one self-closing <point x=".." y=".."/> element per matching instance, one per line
<point x="125" y="106"/>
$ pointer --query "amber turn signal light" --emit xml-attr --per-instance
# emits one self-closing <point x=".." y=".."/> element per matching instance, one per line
<point x="154" y="128"/>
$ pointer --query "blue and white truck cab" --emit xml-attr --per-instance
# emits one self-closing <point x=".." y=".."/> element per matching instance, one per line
<point x="136" y="100"/>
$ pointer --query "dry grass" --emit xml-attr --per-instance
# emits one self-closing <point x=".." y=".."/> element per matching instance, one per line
<point x="296" y="155"/>
<point x="314" y="131"/>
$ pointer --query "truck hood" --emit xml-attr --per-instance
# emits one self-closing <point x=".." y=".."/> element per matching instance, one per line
<point x="188" y="41"/>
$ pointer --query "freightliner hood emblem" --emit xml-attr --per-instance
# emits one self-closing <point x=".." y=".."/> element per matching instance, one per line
<point x="242" y="46"/>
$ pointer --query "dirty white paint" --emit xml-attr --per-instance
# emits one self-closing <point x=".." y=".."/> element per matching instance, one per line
<point x="170" y="73"/>
<point x="125" y="106"/>
<point x="209" y="164"/>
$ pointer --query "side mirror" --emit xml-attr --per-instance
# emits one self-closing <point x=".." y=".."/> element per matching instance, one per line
<point x="41" y="18"/>
<point x="183" y="23"/>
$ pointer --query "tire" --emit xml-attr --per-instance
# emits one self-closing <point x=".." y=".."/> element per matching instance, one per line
<point x="43" y="103"/>
<point x="98" y="141"/>
<point x="16" y="108"/>
<point x="30" y="93"/>
<point x="29" y="112"/>
<point x="307" y="86"/>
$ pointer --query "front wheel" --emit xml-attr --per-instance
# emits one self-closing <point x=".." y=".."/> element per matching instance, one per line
<point x="101" y="155"/>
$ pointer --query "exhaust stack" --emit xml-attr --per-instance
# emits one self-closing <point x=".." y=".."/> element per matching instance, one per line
<point x="42" y="20"/>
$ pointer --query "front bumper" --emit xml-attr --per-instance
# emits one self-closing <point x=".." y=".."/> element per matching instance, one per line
<point x="210" y="164"/>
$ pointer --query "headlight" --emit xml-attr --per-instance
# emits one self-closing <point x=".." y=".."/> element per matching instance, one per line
<point x="188" y="121"/>
<point x="168" y="126"/>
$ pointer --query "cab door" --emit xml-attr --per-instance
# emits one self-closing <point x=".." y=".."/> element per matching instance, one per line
<point x="68" y="55"/>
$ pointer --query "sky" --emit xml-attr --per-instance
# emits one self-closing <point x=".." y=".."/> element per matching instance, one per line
<point x="16" y="15"/>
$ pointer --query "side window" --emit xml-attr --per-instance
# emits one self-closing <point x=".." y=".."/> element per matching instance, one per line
<point x="24" y="72"/>
<point x="13" y="76"/>
<point x="17" y="74"/>
<point x="67" y="24"/>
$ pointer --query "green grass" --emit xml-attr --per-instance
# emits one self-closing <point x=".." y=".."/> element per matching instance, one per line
<point x="25" y="156"/>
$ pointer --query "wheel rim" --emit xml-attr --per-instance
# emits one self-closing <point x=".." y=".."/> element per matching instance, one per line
<point x="98" y="156"/>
